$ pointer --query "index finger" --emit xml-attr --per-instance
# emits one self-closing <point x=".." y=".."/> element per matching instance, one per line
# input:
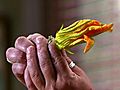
<point x="43" y="57"/>
<point x="59" y="61"/>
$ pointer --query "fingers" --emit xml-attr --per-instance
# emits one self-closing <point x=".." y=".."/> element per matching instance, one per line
<point x="22" y="43"/>
<point x="28" y="81"/>
<point x="18" y="60"/>
<point x="60" y="63"/>
<point x="77" y="70"/>
<point x="33" y="68"/>
<point x="15" y="56"/>
<point x="18" y="71"/>
<point x="43" y="57"/>
<point x="33" y="37"/>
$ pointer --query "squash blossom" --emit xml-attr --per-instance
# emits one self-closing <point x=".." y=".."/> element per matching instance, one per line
<point x="81" y="31"/>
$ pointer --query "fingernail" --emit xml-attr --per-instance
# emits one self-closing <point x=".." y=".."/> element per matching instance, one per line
<point x="9" y="61"/>
<point x="29" y="37"/>
<point x="33" y="36"/>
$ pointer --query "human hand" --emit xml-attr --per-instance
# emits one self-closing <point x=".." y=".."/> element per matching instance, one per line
<point x="53" y="71"/>
<point x="17" y="57"/>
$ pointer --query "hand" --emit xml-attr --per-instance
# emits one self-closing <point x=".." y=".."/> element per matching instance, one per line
<point x="52" y="72"/>
<point x="17" y="57"/>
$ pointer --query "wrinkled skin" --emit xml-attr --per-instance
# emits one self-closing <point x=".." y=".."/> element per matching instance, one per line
<point x="40" y="66"/>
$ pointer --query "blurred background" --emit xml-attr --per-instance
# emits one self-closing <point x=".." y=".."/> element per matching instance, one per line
<point x="23" y="17"/>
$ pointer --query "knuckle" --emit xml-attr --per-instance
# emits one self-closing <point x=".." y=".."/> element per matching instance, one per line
<point x="40" y="49"/>
<point x="35" y="75"/>
<point x="44" y="64"/>
<point x="33" y="36"/>
<point x="66" y="81"/>
<point x="41" y="40"/>
<point x="70" y="77"/>
<point x="58" y="60"/>
<point x="42" y="52"/>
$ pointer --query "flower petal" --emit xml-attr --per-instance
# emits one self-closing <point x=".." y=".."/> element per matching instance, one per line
<point x="79" y="32"/>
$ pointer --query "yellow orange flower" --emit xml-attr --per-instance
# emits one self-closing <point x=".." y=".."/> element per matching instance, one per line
<point x="80" y="32"/>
